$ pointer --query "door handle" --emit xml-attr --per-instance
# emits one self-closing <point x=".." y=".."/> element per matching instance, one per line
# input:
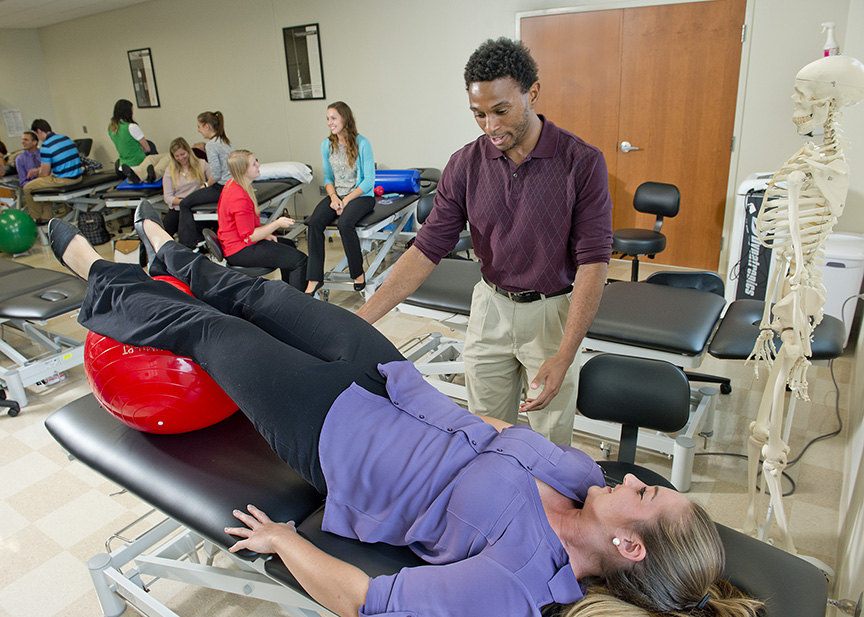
<point x="626" y="147"/>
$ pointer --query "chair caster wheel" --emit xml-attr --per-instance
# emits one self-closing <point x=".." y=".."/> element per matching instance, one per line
<point x="725" y="388"/>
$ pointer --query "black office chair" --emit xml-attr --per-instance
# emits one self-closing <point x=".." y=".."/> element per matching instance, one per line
<point x="215" y="248"/>
<point x="84" y="145"/>
<point x="634" y="392"/>
<point x="655" y="198"/>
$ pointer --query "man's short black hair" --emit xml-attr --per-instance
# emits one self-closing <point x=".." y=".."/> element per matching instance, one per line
<point x="501" y="58"/>
<point x="40" y="125"/>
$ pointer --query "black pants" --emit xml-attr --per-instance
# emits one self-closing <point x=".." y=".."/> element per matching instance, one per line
<point x="282" y="254"/>
<point x="188" y="230"/>
<point x="282" y="356"/>
<point x="324" y="215"/>
<point x="171" y="221"/>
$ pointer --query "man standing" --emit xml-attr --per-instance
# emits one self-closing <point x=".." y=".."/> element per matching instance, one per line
<point x="537" y="200"/>
<point x="61" y="166"/>
<point x="28" y="162"/>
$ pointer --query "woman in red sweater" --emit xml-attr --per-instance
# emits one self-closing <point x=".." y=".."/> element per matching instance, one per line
<point x="245" y="242"/>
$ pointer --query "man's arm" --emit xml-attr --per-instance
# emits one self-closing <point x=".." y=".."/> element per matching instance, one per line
<point x="44" y="171"/>
<point x="587" y="291"/>
<point x="408" y="273"/>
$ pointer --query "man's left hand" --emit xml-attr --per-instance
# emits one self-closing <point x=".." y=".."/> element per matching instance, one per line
<point x="550" y="376"/>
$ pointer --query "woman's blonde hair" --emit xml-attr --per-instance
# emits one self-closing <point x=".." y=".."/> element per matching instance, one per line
<point x="679" y="576"/>
<point x="238" y="165"/>
<point x="350" y="127"/>
<point x="194" y="163"/>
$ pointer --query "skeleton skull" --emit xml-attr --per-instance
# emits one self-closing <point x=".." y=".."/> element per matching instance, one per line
<point x="838" y="78"/>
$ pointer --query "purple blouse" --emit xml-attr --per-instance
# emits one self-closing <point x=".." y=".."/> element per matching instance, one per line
<point x="532" y="224"/>
<point x="423" y="472"/>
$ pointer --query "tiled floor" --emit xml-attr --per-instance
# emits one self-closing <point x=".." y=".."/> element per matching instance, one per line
<point x="55" y="513"/>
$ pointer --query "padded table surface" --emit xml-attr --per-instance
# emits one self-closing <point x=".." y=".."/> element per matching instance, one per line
<point x="383" y="210"/>
<point x="264" y="192"/>
<point x="87" y="181"/>
<point x="115" y="193"/>
<point x="37" y="293"/>
<point x="449" y="287"/>
<point x="740" y="328"/>
<point x="657" y="317"/>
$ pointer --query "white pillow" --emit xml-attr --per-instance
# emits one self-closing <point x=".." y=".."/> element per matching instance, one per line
<point x="285" y="169"/>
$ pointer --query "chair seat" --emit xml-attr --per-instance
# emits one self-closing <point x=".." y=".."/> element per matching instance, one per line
<point x="637" y="241"/>
<point x="739" y="329"/>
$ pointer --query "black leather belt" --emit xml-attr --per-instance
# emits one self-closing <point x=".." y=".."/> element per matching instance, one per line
<point x="526" y="296"/>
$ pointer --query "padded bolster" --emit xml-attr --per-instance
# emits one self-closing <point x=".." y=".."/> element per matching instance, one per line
<point x="37" y="293"/>
<point x="657" y="317"/>
<point x="88" y="181"/>
<point x="264" y="192"/>
<point x="448" y="287"/>
<point x="197" y="478"/>
<point x="740" y="327"/>
<point x="789" y="586"/>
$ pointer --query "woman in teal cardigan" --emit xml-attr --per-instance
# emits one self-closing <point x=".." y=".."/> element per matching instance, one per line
<point x="349" y="177"/>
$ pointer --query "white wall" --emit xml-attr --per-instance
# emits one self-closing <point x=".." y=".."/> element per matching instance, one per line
<point x="22" y="80"/>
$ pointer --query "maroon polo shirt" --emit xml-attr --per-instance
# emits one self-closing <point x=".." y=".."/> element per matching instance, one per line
<point x="532" y="224"/>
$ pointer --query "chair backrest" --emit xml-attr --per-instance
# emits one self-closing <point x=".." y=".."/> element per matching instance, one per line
<point x="703" y="281"/>
<point x="424" y="207"/>
<point x="634" y="392"/>
<point x="84" y="145"/>
<point x="657" y="198"/>
<point x="213" y="244"/>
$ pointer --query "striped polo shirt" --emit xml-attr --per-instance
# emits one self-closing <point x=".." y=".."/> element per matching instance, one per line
<point x="62" y="155"/>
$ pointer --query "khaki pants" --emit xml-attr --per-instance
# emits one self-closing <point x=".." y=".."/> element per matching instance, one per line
<point x="159" y="162"/>
<point x="505" y="345"/>
<point x="42" y="210"/>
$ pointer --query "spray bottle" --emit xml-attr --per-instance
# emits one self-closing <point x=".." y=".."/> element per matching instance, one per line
<point x="831" y="47"/>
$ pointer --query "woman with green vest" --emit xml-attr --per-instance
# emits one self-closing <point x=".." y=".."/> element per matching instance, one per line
<point x="136" y="160"/>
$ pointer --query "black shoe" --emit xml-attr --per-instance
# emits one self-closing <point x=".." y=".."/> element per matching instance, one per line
<point x="143" y="212"/>
<point x="360" y="286"/>
<point x="60" y="234"/>
<point x="117" y="169"/>
<point x="131" y="176"/>
<point x="151" y="174"/>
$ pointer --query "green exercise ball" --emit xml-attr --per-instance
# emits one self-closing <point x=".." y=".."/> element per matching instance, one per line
<point x="17" y="231"/>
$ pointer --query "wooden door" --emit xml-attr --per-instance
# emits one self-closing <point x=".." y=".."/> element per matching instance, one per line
<point x="663" y="78"/>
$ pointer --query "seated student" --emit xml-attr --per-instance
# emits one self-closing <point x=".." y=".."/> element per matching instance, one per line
<point x="61" y="166"/>
<point x="507" y="521"/>
<point x="349" y="177"/>
<point x="211" y="125"/>
<point x="185" y="174"/>
<point x="28" y="161"/>
<point x="136" y="161"/>
<point x="245" y="242"/>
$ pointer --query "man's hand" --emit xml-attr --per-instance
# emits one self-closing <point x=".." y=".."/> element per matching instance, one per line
<point x="550" y="377"/>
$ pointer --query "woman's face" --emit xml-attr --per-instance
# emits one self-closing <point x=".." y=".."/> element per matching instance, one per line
<point x="181" y="156"/>
<point x="206" y="130"/>
<point x="335" y="121"/>
<point x="254" y="169"/>
<point x="633" y="501"/>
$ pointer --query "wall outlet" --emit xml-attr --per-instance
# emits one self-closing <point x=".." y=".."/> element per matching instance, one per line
<point x="84" y="128"/>
<point x="322" y="190"/>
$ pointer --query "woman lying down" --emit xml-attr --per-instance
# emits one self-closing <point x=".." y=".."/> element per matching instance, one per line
<point x="507" y="521"/>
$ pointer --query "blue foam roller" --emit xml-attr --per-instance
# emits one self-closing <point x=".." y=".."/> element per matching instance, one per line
<point x="398" y="180"/>
<point x="126" y="185"/>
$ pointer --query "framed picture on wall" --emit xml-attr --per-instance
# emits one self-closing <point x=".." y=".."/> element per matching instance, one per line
<point x="143" y="77"/>
<point x="303" y="62"/>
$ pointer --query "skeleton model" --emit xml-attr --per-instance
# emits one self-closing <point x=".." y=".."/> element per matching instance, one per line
<point x="802" y="204"/>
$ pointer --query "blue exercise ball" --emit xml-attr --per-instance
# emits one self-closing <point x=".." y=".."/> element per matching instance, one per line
<point x="17" y="231"/>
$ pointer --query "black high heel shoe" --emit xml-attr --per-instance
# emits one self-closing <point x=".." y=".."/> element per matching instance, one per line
<point x="318" y="286"/>
<point x="360" y="286"/>
<point x="60" y="234"/>
<point x="145" y="212"/>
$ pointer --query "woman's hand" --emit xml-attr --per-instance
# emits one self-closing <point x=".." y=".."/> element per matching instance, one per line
<point x="284" y="222"/>
<point x="336" y="203"/>
<point x="260" y="534"/>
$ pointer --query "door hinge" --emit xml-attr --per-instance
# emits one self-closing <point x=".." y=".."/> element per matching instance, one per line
<point x="743" y="32"/>
<point x="732" y="148"/>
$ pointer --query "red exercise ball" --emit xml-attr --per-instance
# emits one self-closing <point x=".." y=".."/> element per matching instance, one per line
<point x="150" y="389"/>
